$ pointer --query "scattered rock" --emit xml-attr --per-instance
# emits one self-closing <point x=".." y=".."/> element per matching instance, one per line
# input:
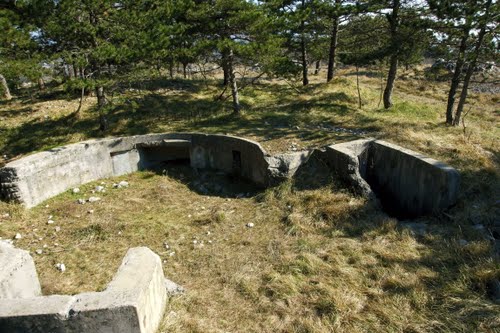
<point x="167" y="247"/>
<point x="39" y="251"/>
<point x="99" y="188"/>
<point x="93" y="199"/>
<point x="171" y="254"/>
<point x="61" y="267"/>
<point x="18" y="236"/>
<point x="90" y="211"/>
<point x="121" y="184"/>
<point x="81" y="201"/>
<point x="58" y="228"/>
<point x="250" y="225"/>
<point x="6" y="215"/>
<point x="173" y="288"/>
<point x="50" y="222"/>
<point x="76" y="190"/>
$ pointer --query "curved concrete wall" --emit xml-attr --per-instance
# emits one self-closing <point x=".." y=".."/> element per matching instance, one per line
<point x="134" y="302"/>
<point x="407" y="183"/>
<point x="35" y="178"/>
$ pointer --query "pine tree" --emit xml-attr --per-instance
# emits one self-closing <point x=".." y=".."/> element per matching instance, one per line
<point x="464" y="24"/>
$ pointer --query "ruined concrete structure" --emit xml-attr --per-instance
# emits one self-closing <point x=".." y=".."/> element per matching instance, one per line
<point x="407" y="183"/>
<point x="134" y="301"/>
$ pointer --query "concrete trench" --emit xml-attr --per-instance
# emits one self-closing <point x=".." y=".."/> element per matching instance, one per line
<point x="406" y="183"/>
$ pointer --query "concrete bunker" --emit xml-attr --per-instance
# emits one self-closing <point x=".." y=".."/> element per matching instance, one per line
<point x="133" y="302"/>
<point x="406" y="183"/>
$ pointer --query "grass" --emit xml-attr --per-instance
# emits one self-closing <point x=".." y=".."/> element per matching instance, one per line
<point x="319" y="259"/>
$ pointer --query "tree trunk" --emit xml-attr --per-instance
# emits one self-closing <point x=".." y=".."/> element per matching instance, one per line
<point x="41" y="84"/>
<point x="391" y="78"/>
<point x="171" y="69"/>
<point x="332" y="54"/>
<point x="225" y="68"/>
<point x="82" y="95"/>
<point x="232" y="83"/>
<point x="184" y="72"/>
<point x="5" y="88"/>
<point x="472" y="65"/>
<point x="393" y="68"/>
<point x="305" y="78"/>
<point x="303" y="50"/>
<point x="75" y="71"/>
<point x="455" y="80"/>
<point x="101" y="103"/>
<point x="317" y="67"/>
<point x="360" y="102"/>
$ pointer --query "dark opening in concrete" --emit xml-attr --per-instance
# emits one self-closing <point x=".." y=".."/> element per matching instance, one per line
<point x="236" y="169"/>
<point x="156" y="157"/>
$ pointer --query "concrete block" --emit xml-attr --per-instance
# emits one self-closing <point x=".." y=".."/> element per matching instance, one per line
<point x="133" y="302"/>
<point x="408" y="183"/>
<point x="349" y="161"/>
<point x="18" y="278"/>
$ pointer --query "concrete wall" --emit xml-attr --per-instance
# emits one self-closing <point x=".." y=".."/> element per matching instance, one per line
<point x="230" y="154"/>
<point x="134" y="302"/>
<point x="407" y="183"/>
<point x="35" y="178"/>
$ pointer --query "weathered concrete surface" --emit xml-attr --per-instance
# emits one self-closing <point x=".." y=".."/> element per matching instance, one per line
<point x="408" y="183"/>
<point x="349" y="161"/>
<point x="284" y="166"/>
<point x="35" y="178"/>
<point x="133" y="302"/>
<point x="237" y="156"/>
<point x="18" y="278"/>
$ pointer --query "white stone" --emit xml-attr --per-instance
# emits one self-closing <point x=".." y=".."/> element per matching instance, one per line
<point x="81" y="201"/>
<point x="76" y="190"/>
<point x="58" y="228"/>
<point x="93" y="199"/>
<point x="90" y="211"/>
<point x="99" y="188"/>
<point x="250" y="225"/>
<point x="61" y="267"/>
<point x="18" y="236"/>
<point x="50" y="222"/>
<point x="39" y="251"/>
